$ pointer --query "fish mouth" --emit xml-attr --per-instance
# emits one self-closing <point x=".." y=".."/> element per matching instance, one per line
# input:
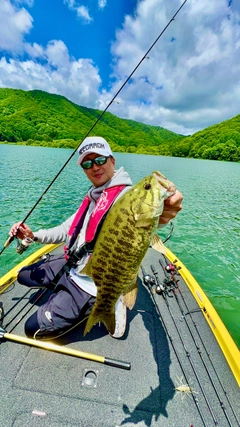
<point x="162" y="180"/>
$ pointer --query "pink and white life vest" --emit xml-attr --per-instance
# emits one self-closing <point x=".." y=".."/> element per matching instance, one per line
<point x="103" y="204"/>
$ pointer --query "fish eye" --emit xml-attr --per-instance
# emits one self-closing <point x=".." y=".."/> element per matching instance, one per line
<point x="147" y="186"/>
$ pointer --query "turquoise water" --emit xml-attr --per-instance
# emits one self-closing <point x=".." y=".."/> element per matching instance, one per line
<point x="206" y="232"/>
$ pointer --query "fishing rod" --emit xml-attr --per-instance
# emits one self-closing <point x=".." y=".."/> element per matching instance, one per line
<point x="9" y="336"/>
<point x="150" y="281"/>
<point x="64" y="350"/>
<point x="172" y="270"/>
<point x="2" y="317"/>
<point x="4" y="335"/>
<point x="155" y="273"/>
<point x="33" y="302"/>
<point x="11" y="238"/>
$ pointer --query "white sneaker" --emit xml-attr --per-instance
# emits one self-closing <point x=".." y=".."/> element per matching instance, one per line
<point x="120" y="318"/>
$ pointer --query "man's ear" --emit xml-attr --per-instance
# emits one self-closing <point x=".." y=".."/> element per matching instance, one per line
<point x="113" y="161"/>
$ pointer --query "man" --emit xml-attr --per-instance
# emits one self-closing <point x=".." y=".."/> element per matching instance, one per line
<point x="74" y="293"/>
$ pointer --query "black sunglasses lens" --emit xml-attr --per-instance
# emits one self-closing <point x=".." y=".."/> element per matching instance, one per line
<point x="99" y="161"/>
<point x="87" y="164"/>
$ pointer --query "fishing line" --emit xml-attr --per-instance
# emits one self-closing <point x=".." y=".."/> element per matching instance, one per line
<point x="174" y="281"/>
<point x="170" y="232"/>
<point x="10" y="239"/>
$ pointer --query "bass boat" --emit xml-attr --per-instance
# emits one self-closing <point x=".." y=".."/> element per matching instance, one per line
<point x="176" y="365"/>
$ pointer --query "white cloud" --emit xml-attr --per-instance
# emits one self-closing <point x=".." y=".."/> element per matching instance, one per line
<point x="56" y="72"/>
<point x="70" y="3"/>
<point x="189" y="81"/>
<point x="34" y="50"/>
<point x="192" y="77"/>
<point x="49" y="68"/>
<point x="102" y="4"/>
<point x="14" y="24"/>
<point x="81" y="11"/>
<point x="57" y="54"/>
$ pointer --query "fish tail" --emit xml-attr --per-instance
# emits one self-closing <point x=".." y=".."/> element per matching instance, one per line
<point x="108" y="319"/>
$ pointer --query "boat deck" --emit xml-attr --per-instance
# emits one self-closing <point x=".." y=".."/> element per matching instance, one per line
<point x="169" y="345"/>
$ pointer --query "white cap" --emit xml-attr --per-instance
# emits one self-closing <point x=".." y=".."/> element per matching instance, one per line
<point x="94" y="144"/>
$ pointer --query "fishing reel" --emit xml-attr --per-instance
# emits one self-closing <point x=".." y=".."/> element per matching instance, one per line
<point x="148" y="279"/>
<point x="25" y="243"/>
<point x="170" y="268"/>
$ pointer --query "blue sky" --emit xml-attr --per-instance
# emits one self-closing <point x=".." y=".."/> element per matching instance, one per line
<point x="87" y="33"/>
<point x="85" y="50"/>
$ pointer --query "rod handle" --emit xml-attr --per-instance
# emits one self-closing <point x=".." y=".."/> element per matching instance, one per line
<point x="8" y="241"/>
<point x="64" y="350"/>
<point x="117" y="363"/>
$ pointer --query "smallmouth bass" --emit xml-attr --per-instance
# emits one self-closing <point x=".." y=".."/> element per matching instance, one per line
<point x="121" y="246"/>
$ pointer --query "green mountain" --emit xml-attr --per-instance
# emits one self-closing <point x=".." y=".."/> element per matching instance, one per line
<point x="39" y="118"/>
<point x="217" y="142"/>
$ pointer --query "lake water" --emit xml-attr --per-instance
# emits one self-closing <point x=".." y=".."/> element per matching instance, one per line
<point x="206" y="234"/>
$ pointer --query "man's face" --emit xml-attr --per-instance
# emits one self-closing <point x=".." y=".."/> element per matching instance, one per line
<point x="99" y="175"/>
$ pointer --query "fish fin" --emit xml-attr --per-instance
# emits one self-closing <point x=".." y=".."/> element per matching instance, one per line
<point x="157" y="244"/>
<point x="129" y="298"/>
<point x="87" y="269"/>
<point x="108" y="319"/>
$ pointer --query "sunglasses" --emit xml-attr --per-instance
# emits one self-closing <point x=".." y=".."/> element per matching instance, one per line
<point x="99" y="161"/>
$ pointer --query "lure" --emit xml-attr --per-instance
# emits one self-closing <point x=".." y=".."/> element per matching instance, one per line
<point x="184" y="388"/>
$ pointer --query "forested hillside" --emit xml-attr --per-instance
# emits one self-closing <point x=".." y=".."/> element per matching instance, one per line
<point x="217" y="142"/>
<point x="39" y="118"/>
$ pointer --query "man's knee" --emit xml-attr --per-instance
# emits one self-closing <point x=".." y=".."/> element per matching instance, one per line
<point x="32" y="326"/>
<point x="34" y="276"/>
<point x="24" y="277"/>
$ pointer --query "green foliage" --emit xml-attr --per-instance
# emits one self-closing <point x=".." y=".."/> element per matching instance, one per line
<point x="40" y="118"/>
<point x="217" y="142"/>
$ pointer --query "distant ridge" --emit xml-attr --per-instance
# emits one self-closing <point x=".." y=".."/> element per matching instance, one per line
<point x="40" y="118"/>
<point x="217" y="142"/>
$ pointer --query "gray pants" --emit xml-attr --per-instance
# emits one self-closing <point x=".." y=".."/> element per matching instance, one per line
<point x="66" y="306"/>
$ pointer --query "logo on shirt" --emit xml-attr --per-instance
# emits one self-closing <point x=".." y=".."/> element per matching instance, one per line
<point x="48" y="315"/>
<point x="101" y="203"/>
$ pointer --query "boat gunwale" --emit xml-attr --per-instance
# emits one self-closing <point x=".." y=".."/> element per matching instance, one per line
<point x="219" y="330"/>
